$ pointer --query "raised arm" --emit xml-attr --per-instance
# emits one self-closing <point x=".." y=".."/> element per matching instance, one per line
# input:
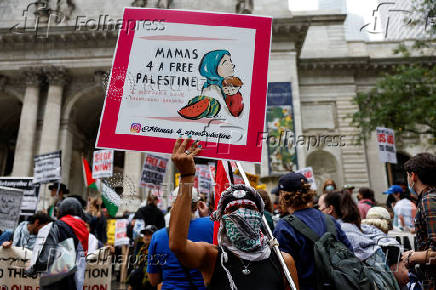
<point x="192" y="255"/>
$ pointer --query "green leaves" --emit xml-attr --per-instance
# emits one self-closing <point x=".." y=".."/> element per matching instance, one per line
<point x="404" y="100"/>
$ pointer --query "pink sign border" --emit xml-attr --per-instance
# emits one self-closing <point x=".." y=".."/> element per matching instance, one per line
<point x="251" y="152"/>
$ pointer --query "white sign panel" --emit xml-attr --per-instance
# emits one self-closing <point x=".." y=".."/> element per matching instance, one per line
<point x="308" y="173"/>
<point x="98" y="273"/>
<point x="103" y="164"/>
<point x="47" y="167"/>
<point x="153" y="170"/>
<point x="121" y="237"/>
<point x="386" y="145"/>
<point x="30" y="192"/>
<point x="10" y="200"/>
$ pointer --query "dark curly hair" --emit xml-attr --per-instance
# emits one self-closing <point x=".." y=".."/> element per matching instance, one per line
<point x="423" y="165"/>
<point x="297" y="199"/>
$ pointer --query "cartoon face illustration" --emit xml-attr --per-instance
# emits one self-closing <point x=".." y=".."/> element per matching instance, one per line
<point x="226" y="67"/>
<point x="230" y="90"/>
<point x="214" y="65"/>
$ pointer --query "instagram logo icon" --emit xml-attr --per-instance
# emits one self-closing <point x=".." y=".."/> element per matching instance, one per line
<point x="135" y="128"/>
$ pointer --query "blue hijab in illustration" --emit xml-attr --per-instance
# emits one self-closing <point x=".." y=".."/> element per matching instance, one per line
<point x="209" y="67"/>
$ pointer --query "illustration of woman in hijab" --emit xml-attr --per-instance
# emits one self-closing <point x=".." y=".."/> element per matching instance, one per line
<point x="215" y="66"/>
<point x="218" y="69"/>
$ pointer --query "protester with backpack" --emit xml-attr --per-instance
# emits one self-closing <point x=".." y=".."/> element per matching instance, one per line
<point x="243" y="258"/>
<point x="363" y="238"/>
<point x="60" y="249"/>
<point x="307" y="234"/>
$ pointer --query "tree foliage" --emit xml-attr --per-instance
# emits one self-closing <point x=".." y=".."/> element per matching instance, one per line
<point x="404" y="100"/>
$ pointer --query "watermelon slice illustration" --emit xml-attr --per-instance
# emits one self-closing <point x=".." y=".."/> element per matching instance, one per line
<point x="200" y="107"/>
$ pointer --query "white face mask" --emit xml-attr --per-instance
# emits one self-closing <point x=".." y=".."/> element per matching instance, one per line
<point x="329" y="187"/>
<point x="411" y="189"/>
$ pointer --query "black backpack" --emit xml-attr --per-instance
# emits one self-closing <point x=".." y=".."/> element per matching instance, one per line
<point x="336" y="267"/>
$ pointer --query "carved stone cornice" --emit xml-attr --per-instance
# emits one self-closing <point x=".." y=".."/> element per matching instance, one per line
<point x="58" y="37"/>
<point x="360" y="63"/>
<point x="32" y="76"/>
<point x="56" y="75"/>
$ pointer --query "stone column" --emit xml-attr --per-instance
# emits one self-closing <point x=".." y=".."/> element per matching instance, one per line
<point x="24" y="150"/>
<point x="131" y="178"/>
<point x="52" y="111"/>
<point x="66" y="146"/>
<point x="296" y="102"/>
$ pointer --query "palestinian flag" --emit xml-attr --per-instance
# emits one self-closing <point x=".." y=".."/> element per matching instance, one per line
<point x="222" y="182"/>
<point x="87" y="175"/>
<point x="110" y="198"/>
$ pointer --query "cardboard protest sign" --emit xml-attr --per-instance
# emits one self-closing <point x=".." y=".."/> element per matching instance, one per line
<point x="153" y="170"/>
<point x="386" y="145"/>
<point x="204" y="179"/>
<point x="10" y="200"/>
<point x="308" y="173"/>
<point x="121" y="237"/>
<point x="192" y="75"/>
<point x="30" y="190"/>
<point x="103" y="163"/>
<point x="47" y="167"/>
<point x="98" y="273"/>
<point x="212" y="170"/>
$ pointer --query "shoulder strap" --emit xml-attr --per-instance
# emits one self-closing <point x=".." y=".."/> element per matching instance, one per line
<point x="368" y="203"/>
<point x="331" y="227"/>
<point x="301" y="227"/>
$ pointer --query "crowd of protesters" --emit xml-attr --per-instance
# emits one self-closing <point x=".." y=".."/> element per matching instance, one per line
<point x="341" y="239"/>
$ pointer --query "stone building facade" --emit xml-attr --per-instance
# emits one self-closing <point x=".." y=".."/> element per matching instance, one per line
<point x="52" y="84"/>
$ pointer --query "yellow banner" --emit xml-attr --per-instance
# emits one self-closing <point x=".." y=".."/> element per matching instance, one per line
<point x="110" y="230"/>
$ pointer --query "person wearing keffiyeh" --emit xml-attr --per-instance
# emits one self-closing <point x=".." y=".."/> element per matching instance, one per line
<point x="243" y="258"/>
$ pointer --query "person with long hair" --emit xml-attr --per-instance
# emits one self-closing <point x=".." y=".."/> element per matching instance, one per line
<point x="364" y="238"/>
<point x="296" y="198"/>
<point x="329" y="185"/>
<point x="243" y="258"/>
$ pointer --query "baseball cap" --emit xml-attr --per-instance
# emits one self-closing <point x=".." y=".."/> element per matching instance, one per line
<point x="195" y="196"/>
<point x="291" y="181"/>
<point x="149" y="229"/>
<point x="348" y="186"/>
<point x="394" y="189"/>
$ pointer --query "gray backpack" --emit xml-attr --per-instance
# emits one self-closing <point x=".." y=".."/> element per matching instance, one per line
<point x="336" y="267"/>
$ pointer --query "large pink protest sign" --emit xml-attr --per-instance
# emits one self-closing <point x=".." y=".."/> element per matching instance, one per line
<point x="185" y="73"/>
